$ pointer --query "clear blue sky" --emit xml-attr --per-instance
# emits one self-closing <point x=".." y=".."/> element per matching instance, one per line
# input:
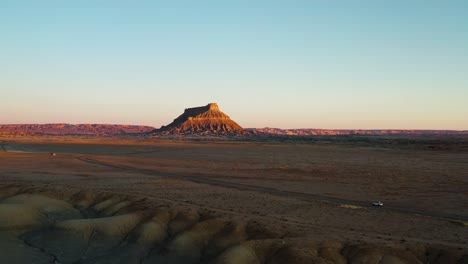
<point x="289" y="64"/>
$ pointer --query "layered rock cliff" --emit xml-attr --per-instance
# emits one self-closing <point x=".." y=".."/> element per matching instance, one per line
<point x="202" y="120"/>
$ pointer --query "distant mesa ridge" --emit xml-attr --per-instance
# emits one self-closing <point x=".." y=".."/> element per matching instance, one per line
<point x="203" y="120"/>
<point x="72" y="129"/>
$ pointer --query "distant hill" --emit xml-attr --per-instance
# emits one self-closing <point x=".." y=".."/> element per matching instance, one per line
<point x="203" y="120"/>
<point x="345" y="132"/>
<point x="69" y="129"/>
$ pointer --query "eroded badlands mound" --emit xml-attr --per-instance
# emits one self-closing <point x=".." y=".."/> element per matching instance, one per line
<point x="203" y="120"/>
<point x="45" y="225"/>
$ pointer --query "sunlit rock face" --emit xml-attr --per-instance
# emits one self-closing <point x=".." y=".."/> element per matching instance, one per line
<point x="203" y="120"/>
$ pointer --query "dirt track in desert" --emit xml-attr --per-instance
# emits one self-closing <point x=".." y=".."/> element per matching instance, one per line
<point x="159" y="201"/>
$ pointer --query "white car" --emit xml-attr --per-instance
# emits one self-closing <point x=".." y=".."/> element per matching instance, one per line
<point x="378" y="203"/>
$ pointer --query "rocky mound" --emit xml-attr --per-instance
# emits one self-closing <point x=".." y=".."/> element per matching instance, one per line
<point x="204" y="120"/>
<point x="50" y="226"/>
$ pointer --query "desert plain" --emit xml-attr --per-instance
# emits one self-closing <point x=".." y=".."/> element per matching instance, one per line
<point x="149" y="200"/>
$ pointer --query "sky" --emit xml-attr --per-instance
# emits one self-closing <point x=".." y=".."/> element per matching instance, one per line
<point x="290" y="64"/>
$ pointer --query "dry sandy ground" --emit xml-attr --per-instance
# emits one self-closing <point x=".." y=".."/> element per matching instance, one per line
<point x="146" y="201"/>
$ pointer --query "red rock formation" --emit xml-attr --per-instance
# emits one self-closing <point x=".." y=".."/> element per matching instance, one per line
<point x="68" y="129"/>
<point x="346" y="132"/>
<point x="203" y="120"/>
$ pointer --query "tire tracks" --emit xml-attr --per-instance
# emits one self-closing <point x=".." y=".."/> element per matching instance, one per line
<point x="289" y="194"/>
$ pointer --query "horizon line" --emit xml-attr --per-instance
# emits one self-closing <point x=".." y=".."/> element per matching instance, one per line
<point x="302" y="128"/>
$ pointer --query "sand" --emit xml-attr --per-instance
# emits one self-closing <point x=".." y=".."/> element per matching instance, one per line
<point x="188" y="202"/>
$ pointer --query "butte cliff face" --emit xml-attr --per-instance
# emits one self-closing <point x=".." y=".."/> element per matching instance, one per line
<point x="203" y="120"/>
